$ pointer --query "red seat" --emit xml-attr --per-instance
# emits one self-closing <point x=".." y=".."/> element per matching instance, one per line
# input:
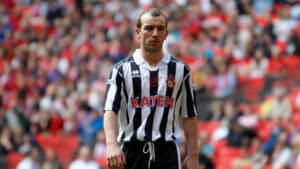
<point x="226" y="156"/>
<point x="209" y="126"/>
<point x="102" y="162"/>
<point x="247" y="167"/>
<point x="252" y="88"/>
<point x="268" y="167"/>
<point x="296" y="119"/>
<point x="224" y="163"/>
<point x="231" y="152"/>
<point x="13" y="159"/>
<point x="64" y="145"/>
<point x="64" y="155"/>
<point x="292" y="64"/>
<point x="264" y="129"/>
<point x="73" y="142"/>
<point x="44" y="141"/>
<point x="69" y="144"/>
<point x="292" y="98"/>
<point x="255" y="108"/>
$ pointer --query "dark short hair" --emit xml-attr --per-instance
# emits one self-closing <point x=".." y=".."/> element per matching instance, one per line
<point x="153" y="12"/>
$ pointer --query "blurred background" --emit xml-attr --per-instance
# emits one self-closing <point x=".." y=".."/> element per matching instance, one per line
<point x="55" y="56"/>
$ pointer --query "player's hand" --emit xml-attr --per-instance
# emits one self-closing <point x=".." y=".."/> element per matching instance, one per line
<point x="115" y="157"/>
<point x="191" y="162"/>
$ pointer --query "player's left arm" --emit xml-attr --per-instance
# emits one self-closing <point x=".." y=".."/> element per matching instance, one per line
<point x="189" y="121"/>
<point x="191" y="134"/>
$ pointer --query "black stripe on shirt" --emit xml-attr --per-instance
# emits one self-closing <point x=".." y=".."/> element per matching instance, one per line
<point x="126" y="97"/>
<point x="153" y="92"/>
<point x="136" y="84"/>
<point x="118" y="97"/>
<point x="189" y="99"/>
<point x="177" y="96"/>
<point x="186" y="71"/>
<point x="171" y="77"/>
<point x="108" y="86"/>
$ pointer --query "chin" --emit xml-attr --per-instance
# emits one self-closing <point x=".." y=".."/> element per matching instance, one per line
<point x="153" y="50"/>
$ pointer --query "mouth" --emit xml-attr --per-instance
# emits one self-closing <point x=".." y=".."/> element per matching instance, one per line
<point x="153" y="41"/>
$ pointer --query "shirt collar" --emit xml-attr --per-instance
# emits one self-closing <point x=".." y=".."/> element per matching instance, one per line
<point x="139" y="59"/>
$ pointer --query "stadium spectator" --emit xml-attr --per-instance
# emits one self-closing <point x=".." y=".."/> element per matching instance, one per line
<point x="100" y="146"/>
<point x="244" y="161"/>
<point x="281" y="155"/>
<point x="284" y="25"/>
<point x="223" y="81"/>
<point x="295" y="145"/>
<point x="259" y="158"/>
<point x="235" y="135"/>
<point x="84" y="160"/>
<point x="90" y="126"/>
<point x="241" y="134"/>
<point x="280" y="107"/>
<point x="258" y="64"/>
<point x="70" y="123"/>
<point x="6" y="141"/>
<point x="276" y="69"/>
<point x="31" y="160"/>
<point x="51" y="160"/>
<point x="247" y="118"/>
<point x="26" y="144"/>
<point x="291" y="46"/>
<point x="47" y="165"/>
<point x="205" y="147"/>
<point x="205" y="152"/>
<point x="99" y="149"/>
<point x="18" y="135"/>
<point x="230" y="112"/>
<point x="216" y="112"/>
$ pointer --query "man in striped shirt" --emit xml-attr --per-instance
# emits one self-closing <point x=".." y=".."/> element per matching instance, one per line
<point x="147" y="95"/>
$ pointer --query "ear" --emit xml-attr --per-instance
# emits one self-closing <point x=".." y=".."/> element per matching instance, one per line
<point x="137" y="33"/>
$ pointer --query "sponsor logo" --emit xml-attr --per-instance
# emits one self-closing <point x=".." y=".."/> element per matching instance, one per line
<point x="151" y="101"/>
<point x="135" y="74"/>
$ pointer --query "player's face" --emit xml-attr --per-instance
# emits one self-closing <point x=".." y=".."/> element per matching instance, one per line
<point x="152" y="33"/>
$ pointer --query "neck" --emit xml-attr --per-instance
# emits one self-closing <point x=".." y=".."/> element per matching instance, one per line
<point x="153" y="58"/>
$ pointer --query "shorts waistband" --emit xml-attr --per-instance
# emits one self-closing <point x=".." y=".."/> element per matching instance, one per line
<point x="139" y="143"/>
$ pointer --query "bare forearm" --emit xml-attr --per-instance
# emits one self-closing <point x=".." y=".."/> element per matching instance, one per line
<point x="191" y="134"/>
<point x="111" y="127"/>
<point x="114" y="155"/>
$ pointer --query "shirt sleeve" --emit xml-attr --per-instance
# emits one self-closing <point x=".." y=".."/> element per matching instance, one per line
<point x="188" y="106"/>
<point x="113" y="91"/>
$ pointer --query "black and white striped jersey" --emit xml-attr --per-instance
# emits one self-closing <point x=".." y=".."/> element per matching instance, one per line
<point x="150" y="100"/>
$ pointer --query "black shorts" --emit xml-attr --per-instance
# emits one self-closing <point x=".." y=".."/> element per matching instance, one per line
<point x="137" y="157"/>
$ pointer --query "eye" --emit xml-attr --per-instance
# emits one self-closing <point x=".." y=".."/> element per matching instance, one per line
<point x="161" y="28"/>
<point x="148" y="28"/>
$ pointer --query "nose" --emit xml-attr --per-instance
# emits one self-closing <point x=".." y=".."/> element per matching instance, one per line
<point x="155" y="32"/>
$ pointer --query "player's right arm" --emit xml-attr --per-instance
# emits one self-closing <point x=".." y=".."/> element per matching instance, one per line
<point x="114" y="155"/>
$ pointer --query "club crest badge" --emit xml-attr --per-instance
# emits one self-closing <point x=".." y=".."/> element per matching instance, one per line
<point x="171" y="81"/>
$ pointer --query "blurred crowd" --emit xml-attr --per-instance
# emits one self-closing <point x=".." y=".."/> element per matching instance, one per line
<point x="55" y="56"/>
